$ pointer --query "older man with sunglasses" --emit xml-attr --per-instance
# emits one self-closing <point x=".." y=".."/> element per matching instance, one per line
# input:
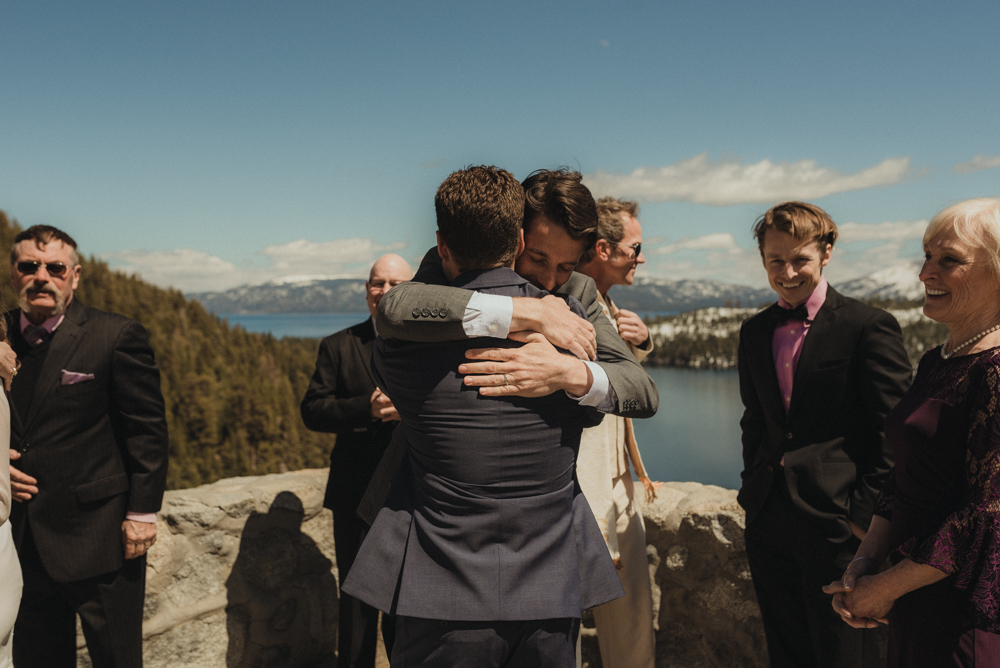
<point x="624" y="626"/>
<point x="89" y="462"/>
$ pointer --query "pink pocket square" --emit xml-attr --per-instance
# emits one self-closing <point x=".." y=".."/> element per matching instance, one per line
<point x="74" y="377"/>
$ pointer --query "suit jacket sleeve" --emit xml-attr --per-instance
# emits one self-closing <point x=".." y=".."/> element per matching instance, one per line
<point x="884" y="372"/>
<point x="140" y="418"/>
<point x="322" y="409"/>
<point x="752" y="425"/>
<point x="635" y="393"/>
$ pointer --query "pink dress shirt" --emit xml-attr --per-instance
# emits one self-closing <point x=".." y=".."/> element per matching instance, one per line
<point x="788" y="339"/>
<point x="51" y="324"/>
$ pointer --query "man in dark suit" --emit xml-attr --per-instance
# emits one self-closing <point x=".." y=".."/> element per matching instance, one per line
<point x="818" y="373"/>
<point x="343" y="399"/>
<point x="89" y="462"/>
<point x="485" y="549"/>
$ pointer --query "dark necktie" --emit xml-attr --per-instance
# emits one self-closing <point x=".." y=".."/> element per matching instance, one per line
<point x="36" y="334"/>
<point x="783" y="315"/>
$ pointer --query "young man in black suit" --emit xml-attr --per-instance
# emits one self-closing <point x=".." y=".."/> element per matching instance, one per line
<point x="343" y="399"/>
<point x="89" y="462"/>
<point x="818" y="373"/>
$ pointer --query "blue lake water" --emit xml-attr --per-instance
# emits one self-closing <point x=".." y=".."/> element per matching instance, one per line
<point x="694" y="436"/>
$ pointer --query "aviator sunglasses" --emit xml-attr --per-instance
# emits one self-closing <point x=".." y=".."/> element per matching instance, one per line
<point x="57" y="269"/>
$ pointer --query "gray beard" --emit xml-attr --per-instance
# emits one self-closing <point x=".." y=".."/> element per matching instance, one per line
<point x="60" y="300"/>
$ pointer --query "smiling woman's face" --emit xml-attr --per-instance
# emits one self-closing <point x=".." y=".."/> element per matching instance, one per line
<point x="959" y="285"/>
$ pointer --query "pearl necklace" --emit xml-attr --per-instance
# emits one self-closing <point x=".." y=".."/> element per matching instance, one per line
<point x="975" y="338"/>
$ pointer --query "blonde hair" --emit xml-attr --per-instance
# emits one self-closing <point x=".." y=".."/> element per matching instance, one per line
<point x="976" y="222"/>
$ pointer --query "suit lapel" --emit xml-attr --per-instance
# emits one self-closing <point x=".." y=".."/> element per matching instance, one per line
<point x="65" y="340"/>
<point x="365" y="345"/>
<point x="812" y="347"/>
<point x="762" y="365"/>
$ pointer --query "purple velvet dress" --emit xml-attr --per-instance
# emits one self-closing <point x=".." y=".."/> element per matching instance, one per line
<point x="943" y="500"/>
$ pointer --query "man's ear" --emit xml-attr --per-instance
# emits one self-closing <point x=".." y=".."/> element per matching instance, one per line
<point x="602" y="249"/>
<point x="520" y="243"/>
<point x="826" y="256"/>
<point x="443" y="250"/>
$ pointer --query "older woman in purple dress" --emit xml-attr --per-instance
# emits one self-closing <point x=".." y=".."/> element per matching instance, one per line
<point x="938" y="518"/>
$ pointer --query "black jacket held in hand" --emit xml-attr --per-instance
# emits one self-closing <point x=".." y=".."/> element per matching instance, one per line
<point x="851" y="372"/>
<point x="97" y="447"/>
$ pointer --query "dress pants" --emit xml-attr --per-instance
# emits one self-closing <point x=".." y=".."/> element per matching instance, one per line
<point x="790" y="561"/>
<point x="434" y="643"/>
<point x="625" y="626"/>
<point x="358" y="628"/>
<point x="110" y="608"/>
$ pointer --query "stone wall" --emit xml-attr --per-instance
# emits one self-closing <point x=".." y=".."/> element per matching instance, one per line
<point x="243" y="574"/>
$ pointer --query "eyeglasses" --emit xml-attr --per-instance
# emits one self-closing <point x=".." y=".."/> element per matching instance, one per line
<point x="636" y="247"/>
<point x="57" y="269"/>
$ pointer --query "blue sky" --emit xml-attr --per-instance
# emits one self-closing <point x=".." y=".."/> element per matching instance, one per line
<point x="210" y="144"/>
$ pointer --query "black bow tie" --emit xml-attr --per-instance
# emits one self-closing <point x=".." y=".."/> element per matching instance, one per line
<point x="783" y="315"/>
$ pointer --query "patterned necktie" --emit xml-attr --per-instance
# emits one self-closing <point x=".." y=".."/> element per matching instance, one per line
<point x="783" y="315"/>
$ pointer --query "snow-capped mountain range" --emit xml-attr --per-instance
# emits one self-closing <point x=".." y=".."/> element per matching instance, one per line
<point x="305" y="294"/>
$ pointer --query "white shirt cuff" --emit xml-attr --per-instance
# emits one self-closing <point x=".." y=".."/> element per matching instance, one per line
<point x="599" y="396"/>
<point x="148" y="518"/>
<point x="488" y="315"/>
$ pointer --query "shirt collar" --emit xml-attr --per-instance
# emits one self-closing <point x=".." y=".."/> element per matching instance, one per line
<point x="815" y="301"/>
<point x="49" y="325"/>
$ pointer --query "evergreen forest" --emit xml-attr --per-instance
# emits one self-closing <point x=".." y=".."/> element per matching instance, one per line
<point x="232" y="397"/>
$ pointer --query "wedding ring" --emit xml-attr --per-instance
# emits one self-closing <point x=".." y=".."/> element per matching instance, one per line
<point x="505" y="380"/>
<point x="13" y="372"/>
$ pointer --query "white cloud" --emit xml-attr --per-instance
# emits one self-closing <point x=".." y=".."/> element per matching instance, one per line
<point x="727" y="182"/>
<point x="605" y="43"/>
<point x="718" y="241"/>
<point x="977" y="163"/>
<point x="187" y="269"/>
<point x="191" y="270"/>
<point x="902" y="230"/>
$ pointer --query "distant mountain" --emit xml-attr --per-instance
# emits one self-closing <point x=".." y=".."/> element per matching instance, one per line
<point x="306" y="294"/>
<point x="648" y="295"/>
<point x="289" y="295"/>
<point x="897" y="281"/>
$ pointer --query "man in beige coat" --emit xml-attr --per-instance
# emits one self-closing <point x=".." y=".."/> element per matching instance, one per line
<point x="624" y="626"/>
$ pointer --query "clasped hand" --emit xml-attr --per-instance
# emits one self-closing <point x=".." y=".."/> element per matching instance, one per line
<point x="857" y="597"/>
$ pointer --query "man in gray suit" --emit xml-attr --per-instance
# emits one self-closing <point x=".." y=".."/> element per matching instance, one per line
<point x="485" y="549"/>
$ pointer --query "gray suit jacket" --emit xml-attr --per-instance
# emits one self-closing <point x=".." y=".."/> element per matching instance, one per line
<point x="484" y="520"/>
<point x="400" y="316"/>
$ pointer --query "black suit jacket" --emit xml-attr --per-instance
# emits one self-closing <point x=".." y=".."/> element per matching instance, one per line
<point x="338" y="401"/>
<point x="484" y="520"/>
<point x="98" y="448"/>
<point x="851" y="372"/>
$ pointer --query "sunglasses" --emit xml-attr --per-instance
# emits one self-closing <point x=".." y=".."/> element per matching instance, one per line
<point x="57" y="269"/>
<point x="636" y="247"/>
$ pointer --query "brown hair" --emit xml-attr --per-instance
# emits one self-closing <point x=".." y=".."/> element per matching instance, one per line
<point x="610" y="226"/>
<point x="560" y="196"/>
<point x="802" y="220"/>
<point x="41" y="235"/>
<point x="479" y="214"/>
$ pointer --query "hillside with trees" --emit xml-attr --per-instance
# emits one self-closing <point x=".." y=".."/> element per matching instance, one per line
<point x="232" y="397"/>
<point x="709" y="338"/>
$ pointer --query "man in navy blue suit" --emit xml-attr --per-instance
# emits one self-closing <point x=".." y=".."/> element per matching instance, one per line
<point x="485" y="549"/>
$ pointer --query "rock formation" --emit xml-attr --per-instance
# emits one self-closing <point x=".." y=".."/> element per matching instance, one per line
<point x="243" y="573"/>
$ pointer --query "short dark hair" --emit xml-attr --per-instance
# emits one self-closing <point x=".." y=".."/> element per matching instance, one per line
<point x="41" y="235"/>
<point x="610" y="226"/>
<point x="802" y="220"/>
<point x="560" y="196"/>
<point x="479" y="214"/>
